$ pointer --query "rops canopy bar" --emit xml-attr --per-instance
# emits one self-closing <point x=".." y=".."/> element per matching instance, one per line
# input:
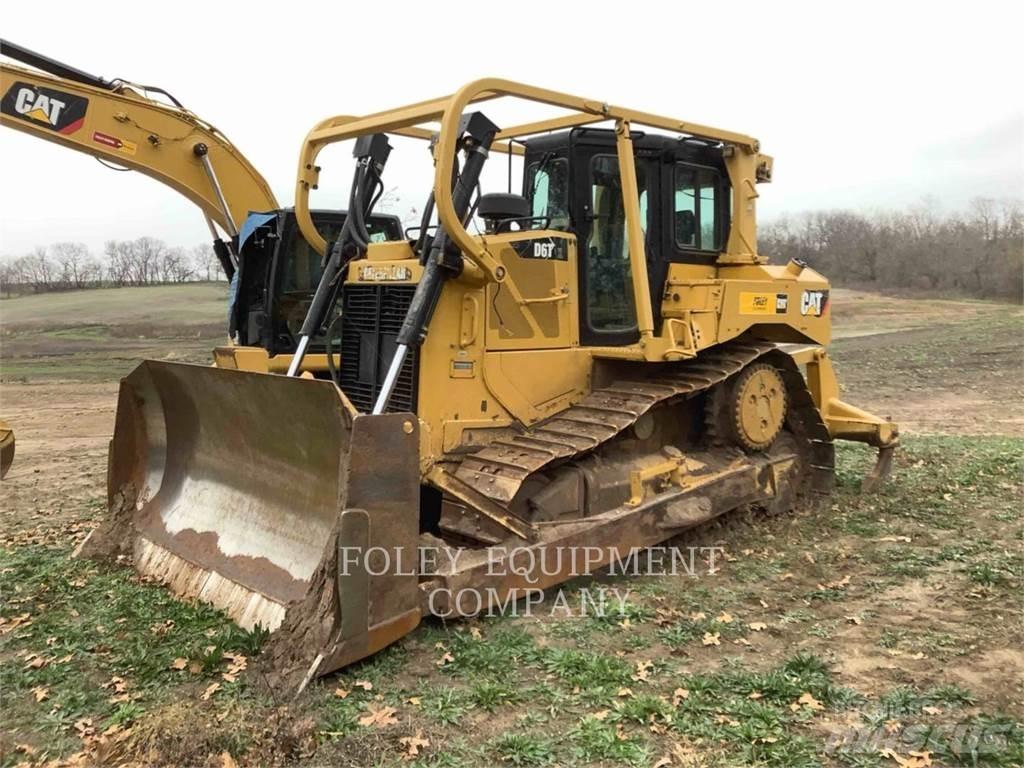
<point x="413" y="121"/>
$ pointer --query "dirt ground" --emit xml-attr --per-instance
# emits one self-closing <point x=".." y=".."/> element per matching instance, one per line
<point x="910" y="599"/>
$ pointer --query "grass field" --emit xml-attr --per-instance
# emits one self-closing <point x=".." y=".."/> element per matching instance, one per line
<point x="872" y="630"/>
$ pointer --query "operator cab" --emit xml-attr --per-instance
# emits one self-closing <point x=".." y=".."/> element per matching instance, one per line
<point x="572" y="183"/>
<point x="279" y="274"/>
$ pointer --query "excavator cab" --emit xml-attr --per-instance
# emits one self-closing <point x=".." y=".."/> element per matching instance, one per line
<point x="279" y="273"/>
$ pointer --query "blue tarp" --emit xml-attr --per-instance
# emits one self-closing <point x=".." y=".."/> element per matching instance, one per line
<point x="252" y="221"/>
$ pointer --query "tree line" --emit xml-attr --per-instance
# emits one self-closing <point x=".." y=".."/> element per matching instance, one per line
<point x="977" y="253"/>
<point x="72" y="266"/>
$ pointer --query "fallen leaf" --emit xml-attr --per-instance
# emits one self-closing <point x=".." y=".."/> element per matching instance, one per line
<point x="742" y="641"/>
<point x="477" y="634"/>
<point x="211" y="689"/>
<point x="758" y="626"/>
<point x="229" y="677"/>
<point x="179" y="663"/>
<point x="905" y="539"/>
<point x="416" y="701"/>
<point x="711" y="638"/>
<point x="678" y="695"/>
<point x="755" y="695"/>
<point x="625" y="693"/>
<point x="931" y="710"/>
<point x="9" y="625"/>
<point x="446" y="659"/>
<point x="227" y="761"/>
<point x="698" y="616"/>
<point x="117" y="684"/>
<point x="810" y="702"/>
<point x="724" y="618"/>
<point x="413" y="744"/>
<point x="162" y="628"/>
<point x="601" y="714"/>
<point x="40" y="692"/>
<point x="912" y="760"/>
<point x="366" y="685"/>
<point x="379" y="718"/>
<point x="341" y="693"/>
<point x="685" y="755"/>
<point x="663" y="762"/>
<point x="643" y="671"/>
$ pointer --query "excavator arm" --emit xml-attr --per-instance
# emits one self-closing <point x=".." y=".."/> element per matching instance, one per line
<point x="116" y="122"/>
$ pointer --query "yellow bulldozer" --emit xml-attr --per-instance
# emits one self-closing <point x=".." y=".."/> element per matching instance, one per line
<point x="528" y="386"/>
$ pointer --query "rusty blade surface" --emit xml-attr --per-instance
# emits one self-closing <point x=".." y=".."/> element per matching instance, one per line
<point x="241" y="477"/>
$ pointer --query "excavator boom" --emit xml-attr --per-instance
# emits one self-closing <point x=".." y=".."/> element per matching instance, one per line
<point x="117" y="122"/>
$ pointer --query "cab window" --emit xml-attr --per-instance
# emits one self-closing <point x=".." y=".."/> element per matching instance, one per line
<point x="696" y="205"/>
<point x="547" y="185"/>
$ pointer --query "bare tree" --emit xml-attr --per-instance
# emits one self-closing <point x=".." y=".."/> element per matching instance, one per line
<point x="207" y="265"/>
<point x="146" y="255"/>
<point x="38" y="269"/>
<point x="75" y="264"/>
<point x="119" y="259"/>
<point x="175" y="266"/>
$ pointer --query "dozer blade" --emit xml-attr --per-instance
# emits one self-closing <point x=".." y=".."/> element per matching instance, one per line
<point x="239" y="488"/>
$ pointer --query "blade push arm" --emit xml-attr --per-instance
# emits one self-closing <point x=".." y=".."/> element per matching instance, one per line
<point x="116" y="122"/>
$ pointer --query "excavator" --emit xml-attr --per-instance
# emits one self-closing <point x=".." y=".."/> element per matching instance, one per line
<point x="527" y="387"/>
<point x="127" y="126"/>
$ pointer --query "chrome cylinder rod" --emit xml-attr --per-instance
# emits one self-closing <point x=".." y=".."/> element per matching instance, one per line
<point x="389" y="381"/>
<point x="300" y="353"/>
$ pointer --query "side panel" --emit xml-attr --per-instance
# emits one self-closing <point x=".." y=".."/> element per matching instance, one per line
<point x="536" y="306"/>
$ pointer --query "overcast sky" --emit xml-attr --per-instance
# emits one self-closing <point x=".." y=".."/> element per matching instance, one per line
<point x="863" y="105"/>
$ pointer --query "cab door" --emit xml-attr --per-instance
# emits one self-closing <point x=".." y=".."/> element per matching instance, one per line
<point x="607" y="314"/>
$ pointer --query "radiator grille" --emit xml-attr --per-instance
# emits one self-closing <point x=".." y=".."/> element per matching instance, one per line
<point x="372" y="315"/>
